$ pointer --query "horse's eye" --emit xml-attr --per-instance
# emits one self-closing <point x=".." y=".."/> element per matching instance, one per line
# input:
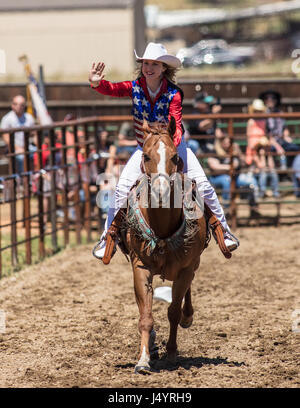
<point x="175" y="159"/>
<point x="146" y="158"/>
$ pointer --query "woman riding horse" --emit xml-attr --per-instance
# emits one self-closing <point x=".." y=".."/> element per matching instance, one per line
<point x="164" y="232"/>
<point x="155" y="98"/>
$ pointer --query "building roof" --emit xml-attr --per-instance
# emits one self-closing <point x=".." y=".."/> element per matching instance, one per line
<point x="175" y="18"/>
<point x="42" y="5"/>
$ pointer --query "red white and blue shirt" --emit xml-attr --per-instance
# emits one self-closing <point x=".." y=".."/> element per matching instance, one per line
<point x="167" y="103"/>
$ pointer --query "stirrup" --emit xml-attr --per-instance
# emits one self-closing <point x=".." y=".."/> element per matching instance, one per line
<point x="108" y="249"/>
<point x="218" y="234"/>
<point x="98" y="248"/>
<point x="235" y="243"/>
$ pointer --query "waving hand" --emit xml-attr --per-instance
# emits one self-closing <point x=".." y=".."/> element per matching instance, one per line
<point x="96" y="73"/>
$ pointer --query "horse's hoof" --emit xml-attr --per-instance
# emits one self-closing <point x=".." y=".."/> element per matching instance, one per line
<point x="172" y="358"/>
<point x="145" y="370"/>
<point x="154" y="354"/>
<point x="186" y="322"/>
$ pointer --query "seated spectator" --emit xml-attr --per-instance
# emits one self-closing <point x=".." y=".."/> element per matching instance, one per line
<point x="277" y="130"/>
<point x="256" y="129"/>
<point x="45" y="164"/>
<point x="108" y="185"/>
<point x="220" y="178"/>
<point x="16" y="118"/>
<point x="296" y="175"/>
<point x="126" y="138"/>
<point x="265" y="168"/>
<point x="70" y="137"/>
<point x="203" y="104"/>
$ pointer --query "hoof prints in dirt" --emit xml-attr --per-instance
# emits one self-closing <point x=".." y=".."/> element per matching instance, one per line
<point x="241" y="336"/>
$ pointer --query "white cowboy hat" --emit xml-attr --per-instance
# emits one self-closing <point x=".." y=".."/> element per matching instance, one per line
<point x="157" y="52"/>
<point x="258" y="105"/>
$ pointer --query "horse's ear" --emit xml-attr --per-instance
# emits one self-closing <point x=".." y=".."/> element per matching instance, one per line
<point x="146" y="127"/>
<point x="172" y="127"/>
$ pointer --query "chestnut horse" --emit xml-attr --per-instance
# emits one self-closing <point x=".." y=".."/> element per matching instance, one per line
<point x="162" y="239"/>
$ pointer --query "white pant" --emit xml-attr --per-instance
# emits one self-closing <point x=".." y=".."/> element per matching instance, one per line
<point x="132" y="171"/>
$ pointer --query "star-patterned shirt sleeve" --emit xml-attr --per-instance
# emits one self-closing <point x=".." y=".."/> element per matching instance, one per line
<point x="117" y="89"/>
<point x="175" y="110"/>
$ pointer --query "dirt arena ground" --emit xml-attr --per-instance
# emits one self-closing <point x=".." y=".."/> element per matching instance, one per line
<point x="71" y="322"/>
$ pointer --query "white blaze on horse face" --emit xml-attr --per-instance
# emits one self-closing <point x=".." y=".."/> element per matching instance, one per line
<point x="161" y="167"/>
<point x="160" y="184"/>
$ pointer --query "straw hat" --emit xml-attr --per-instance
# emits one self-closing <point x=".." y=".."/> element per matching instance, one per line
<point x="263" y="142"/>
<point x="257" y="105"/>
<point x="157" y="52"/>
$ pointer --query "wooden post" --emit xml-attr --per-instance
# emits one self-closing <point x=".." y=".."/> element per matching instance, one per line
<point x="86" y="185"/>
<point x="13" y="207"/>
<point x="26" y="181"/>
<point x="77" y="189"/>
<point x="53" y="206"/>
<point x="97" y="146"/>
<point x="42" y="225"/>
<point x="65" y="201"/>
<point x="233" y="213"/>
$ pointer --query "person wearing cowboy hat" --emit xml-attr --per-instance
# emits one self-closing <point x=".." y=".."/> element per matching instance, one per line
<point x="256" y="129"/>
<point x="265" y="167"/>
<point x="156" y="98"/>
<point x="277" y="130"/>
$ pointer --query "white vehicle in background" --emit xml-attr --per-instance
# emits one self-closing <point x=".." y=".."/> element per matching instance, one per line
<point x="215" y="51"/>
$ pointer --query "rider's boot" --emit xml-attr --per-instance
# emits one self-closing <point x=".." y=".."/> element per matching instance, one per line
<point x="225" y="239"/>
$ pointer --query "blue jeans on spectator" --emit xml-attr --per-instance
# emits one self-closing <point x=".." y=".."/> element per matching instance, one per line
<point x="193" y="145"/>
<point x="296" y="182"/>
<point x="244" y="180"/>
<point x="296" y="175"/>
<point x="264" y="177"/>
<point x="19" y="163"/>
<point x="249" y="182"/>
<point x="222" y="181"/>
<point x="287" y="147"/>
<point x="20" y="159"/>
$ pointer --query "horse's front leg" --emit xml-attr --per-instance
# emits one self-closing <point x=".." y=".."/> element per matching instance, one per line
<point x="187" y="311"/>
<point x="180" y="288"/>
<point x="143" y="294"/>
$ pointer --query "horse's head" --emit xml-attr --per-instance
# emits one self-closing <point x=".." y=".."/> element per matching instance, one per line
<point x="159" y="152"/>
<point x="160" y="158"/>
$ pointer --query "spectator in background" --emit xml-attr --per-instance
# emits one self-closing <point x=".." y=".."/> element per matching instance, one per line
<point x="296" y="175"/>
<point x="277" y="130"/>
<point x="204" y="104"/>
<point x="108" y="185"/>
<point x="265" y="167"/>
<point x="16" y="118"/>
<point x="220" y="168"/>
<point x="45" y="164"/>
<point x="126" y="138"/>
<point x="256" y="129"/>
